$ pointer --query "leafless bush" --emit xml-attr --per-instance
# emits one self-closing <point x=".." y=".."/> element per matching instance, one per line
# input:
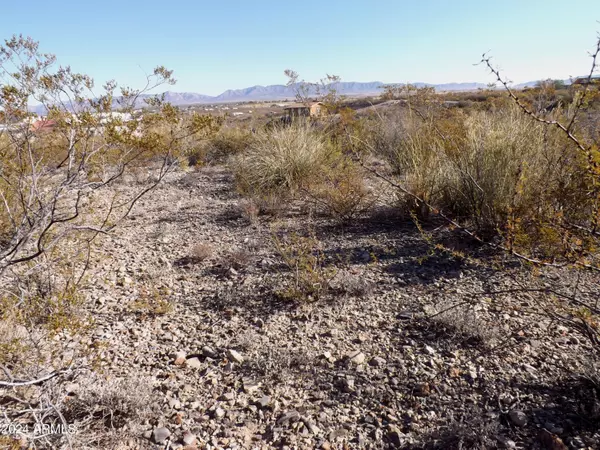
<point x="464" y="320"/>
<point x="201" y="252"/>
<point x="108" y="412"/>
<point x="342" y="192"/>
<point x="352" y="284"/>
<point x="60" y="194"/>
<point x="249" y="210"/>
<point x="238" y="259"/>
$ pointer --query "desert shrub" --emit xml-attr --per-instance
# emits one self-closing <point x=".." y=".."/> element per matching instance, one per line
<point x="341" y="192"/>
<point x="61" y="192"/>
<point x="503" y="164"/>
<point x="201" y="251"/>
<point x="249" y="210"/>
<point x="282" y="160"/>
<point x="108" y="412"/>
<point x="487" y="168"/>
<point x="230" y="141"/>
<point x="309" y="277"/>
<point x="415" y="153"/>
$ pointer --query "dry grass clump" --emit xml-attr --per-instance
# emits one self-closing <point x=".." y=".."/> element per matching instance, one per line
<point x="492" y="168"/>
<point x="249" y="210"/>
<point x="282" y="160"/>
<point x="309" y="277"/>
<point x="229" y="141"/>
<point x="108" y="412"/>
<point x="464" y="322"/>
<point x="342" y="192"/>
<point x="352" y="284"/>
<point x="201" y="252"/>
<point x="237" y="259"/>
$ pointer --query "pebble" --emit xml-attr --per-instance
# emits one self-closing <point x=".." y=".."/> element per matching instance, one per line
<point x="209" y="352"/>
<point x="193" y="363"/>
<point x="395" y="436"/>
<point x="189" y="438"/>
<point x="378" y="361"/>
<point x="356" y="357"/>
<point x="519" y="418"/>
<point x="235" y="356"/>
<point x="160" y="435"/>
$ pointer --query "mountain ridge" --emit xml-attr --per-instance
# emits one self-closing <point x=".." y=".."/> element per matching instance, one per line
<point x="283" y="92"/>
<point x="278" y="92"/>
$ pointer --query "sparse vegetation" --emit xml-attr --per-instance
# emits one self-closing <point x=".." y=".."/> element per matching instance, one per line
<point x="282" y="160"/>
<point x="405" y="267"/>
<point x="309" y="275"/>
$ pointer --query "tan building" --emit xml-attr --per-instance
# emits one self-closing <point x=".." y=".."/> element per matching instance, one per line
<point x="316" y="109"/>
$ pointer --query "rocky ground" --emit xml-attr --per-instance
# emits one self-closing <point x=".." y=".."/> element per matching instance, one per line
<point x="186" y="305"/>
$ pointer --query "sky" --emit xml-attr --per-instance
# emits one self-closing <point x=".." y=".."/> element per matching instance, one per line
<point x="230" y="44"/>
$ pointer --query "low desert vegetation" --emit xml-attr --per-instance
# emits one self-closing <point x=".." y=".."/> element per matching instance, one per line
<point x="60" y="196"/>
<point x="511" y="179"/>
<point x="283" y="160"/>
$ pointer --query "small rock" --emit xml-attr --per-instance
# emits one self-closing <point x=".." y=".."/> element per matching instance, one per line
<point x="506" y="442"/>
<point x="209" y="352"/>
<point x="518" y="418"/>
<point x="429" y="350"/>
<point x="219" y="413"/>
<point x="194" y="363"/>
<point x="290" y="416"/>
<point x="264" y="402"/>
<point x="250" y="386"/>
<point x="227" y="396"/>
<point x="174" y="403"/>
<point x="395" y="436"/>
<point x="189" y="438"/>
<point x="378" y="361"/>
<point x="235" y="356"/>
<point x="423" y="389"/>
<point x="357" y="357"/>
<point x="72" y="388"/>
<point x="577" y="442"/>
<point x="405" y="315"/>
<point x="346" y="385"/>
<point x="160" y="435"/>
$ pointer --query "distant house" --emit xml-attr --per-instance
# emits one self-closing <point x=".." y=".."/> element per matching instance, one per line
<point x="302" y="110"/>
<point x="583" y="81"/>
<point x="43" y="125"/>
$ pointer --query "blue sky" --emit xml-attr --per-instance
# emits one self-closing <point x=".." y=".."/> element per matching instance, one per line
<point x="220" y="44"/>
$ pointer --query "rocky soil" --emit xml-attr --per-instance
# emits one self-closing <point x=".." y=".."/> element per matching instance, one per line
<point x="411" y="348"/>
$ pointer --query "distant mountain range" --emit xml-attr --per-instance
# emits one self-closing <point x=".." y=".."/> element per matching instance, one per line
<point x="283" y="92"/>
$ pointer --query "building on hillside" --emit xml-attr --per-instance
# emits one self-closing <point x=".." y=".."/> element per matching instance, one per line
<point x="316" y="109"/>
<point x="43" y="125"/>
<point x="583" y="81"/>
